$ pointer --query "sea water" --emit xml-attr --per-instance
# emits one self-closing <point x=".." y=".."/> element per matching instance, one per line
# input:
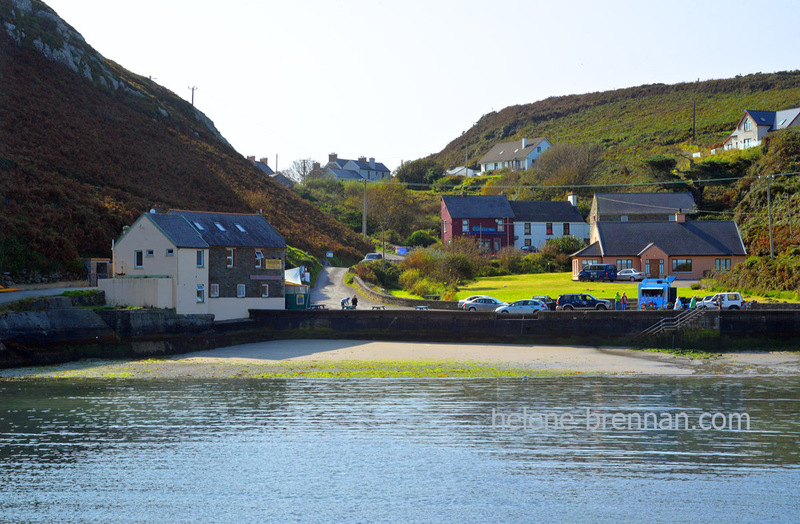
<point x="401" y="450"/>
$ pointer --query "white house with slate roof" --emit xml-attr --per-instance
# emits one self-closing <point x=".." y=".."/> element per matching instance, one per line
<point x="536" y="222"/>
<point x="199" y="263"/>
<point x="517" y="155"/>
<point x="355" y="170"/>
<point x="755" y="125"/>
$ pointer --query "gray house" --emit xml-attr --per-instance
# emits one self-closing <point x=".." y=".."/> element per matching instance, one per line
<point x="517" y="155"/>
<point x="755" y="125"/>
<point x="639" y="207"/>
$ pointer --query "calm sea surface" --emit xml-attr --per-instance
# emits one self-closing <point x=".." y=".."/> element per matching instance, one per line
<point x="394" y="450"/>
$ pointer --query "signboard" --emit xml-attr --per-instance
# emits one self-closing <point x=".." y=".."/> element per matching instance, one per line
<point x="329" y="254"/>
<point x="402" y="250"/>
<point x="483" y="229"/>
<point x="273" y="263"/>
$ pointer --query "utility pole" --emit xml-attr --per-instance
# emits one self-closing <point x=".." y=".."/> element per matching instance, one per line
<point x="769" y="211"/>
<point x="364" y="214"/>
<point x="693" y="119"/>
<point x="193" y="89"/>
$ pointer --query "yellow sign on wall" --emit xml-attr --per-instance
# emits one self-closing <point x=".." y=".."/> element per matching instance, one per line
<point x="271" y="263"/>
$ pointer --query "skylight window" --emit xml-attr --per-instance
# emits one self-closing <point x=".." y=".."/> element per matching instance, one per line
<point x="219" y="226"/>
<point x="198" y="226"/>
<point x="501" y="153"/>
<point x="240" y="228"/>
<point x="782" y="122"/>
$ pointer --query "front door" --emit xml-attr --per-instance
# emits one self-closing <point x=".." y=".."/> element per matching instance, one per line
<point x="496" y="245"/>
<point x="655" y="267"/>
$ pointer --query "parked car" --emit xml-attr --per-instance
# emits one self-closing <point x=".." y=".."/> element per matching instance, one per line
<point x="483" y="304"/>
<point x="549" y="301"/>
<point x="526" y="306"/>
<point x="629" y="274"/>
<point x="469" y="299"/>
<point x="528" y="249"/>
<point x="594" y="272"/>
<point x="724" y="301"/>
<point x="372" y="257"/>
<point x="581" y="301"/>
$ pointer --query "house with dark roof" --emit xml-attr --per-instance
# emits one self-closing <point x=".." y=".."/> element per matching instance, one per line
<point x="516" y="156"/>
<point x="359" y="170"/>
<point x="755" y="125"/>
<point x="488" y="219"/>
<point x="684" y="249"/>
<point x="639" y="207"/>
<point x="199" y="263"/>
<point x="262" y="164"/>
<point x="537" y="222"/>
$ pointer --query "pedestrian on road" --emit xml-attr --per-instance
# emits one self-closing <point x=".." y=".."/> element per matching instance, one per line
<point x="345" y="301"/>
<point x="624" y="302"/>
<point x="617" y="302"/>
<point x="354" y="301"/>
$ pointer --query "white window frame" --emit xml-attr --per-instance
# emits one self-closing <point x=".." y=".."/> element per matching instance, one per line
<point x="201" y="294"/>
<point x="201" y="258"/>
<point x="149" y="253"/>
<point x="259" y="258"/>
<point x="213" y="291"/>
<point x="465" y="225"/>
<point x="265" y="290"/>
<point x="230" y="257"/>
<point x="241" y="291"/>
<point x="170" y="252"/>
<point x="138" y="259"/>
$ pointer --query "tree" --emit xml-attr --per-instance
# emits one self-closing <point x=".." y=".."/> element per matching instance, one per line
<point x="567" y="164"/>
<point x="389" y="204"/>
<point x="422" y="171"/>
<point x="301" y="170"/>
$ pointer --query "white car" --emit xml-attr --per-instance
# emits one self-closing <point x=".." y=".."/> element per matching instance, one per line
<point x="522" y="307"/>
<point x="723" y="301"/>
<point x="629" y="274"/>
<point x="483" y="304"/>
<point x="473" y="297"/>
<point x="372" y="257"/>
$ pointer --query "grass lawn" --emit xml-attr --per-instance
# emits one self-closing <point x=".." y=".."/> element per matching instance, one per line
<point x="516" y="287"/>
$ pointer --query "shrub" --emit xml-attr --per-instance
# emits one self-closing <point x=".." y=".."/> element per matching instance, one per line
<point x="420" y="238"/>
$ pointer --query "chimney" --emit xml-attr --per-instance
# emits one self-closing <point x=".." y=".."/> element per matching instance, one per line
<point x="572" y="198"/>
<point x="371" y="163"/>
<point x="332" y="157"/>
<point x="315" y="166"/>
<point x="265" y="161"/>
<point x="524" y="142"/>
<point x="252" y="159"/>
<point x="362" y="159"/>
<point x="680" y="217"/>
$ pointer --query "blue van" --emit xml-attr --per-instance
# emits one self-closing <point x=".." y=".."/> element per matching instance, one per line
<point x="594" y="272"/>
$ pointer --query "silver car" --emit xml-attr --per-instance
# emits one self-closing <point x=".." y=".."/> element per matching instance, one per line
<point x="522" y="307"/>
<point x="629" y="274"/>
<point x="483" y="304"/>
<point x="469" y="299"/>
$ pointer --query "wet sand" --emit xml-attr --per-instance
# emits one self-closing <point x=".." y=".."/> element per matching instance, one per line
<point x="356" y="358"/>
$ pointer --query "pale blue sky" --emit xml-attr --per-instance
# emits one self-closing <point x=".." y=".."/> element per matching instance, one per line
<point x="399" y="80"/>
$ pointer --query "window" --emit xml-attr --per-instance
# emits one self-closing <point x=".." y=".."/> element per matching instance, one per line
<point x="782" y="122"/>
<point x="465" y="226"/>
<point x="722" y="264"/>
<point x="240" y="228"/>
<point x="240" y="291"/>
<point x="527" y="228"/>
<point x="647" y="268"/>
<point x="137" y="259"/>
<point x="265" y="291"/>
<point x="747" y="143"/>
<point x="585" y="263"/>
<point x="672" y="218"/>
<point x="549" y="228"/>
<point x="747" y="124"/>
<point x="527" y="241"/>
<point x="660" y="267"/>
<point x="259" y="259"/>
<point x="623" y="218"/>
<point x="566" y="228"/>
<point x="213" y="291"/>
<point x="229" y="257"/>
<point x="500" y="224"/>
<point x="170" y="252"/>
<point x="624" y="263"/>
<point x="444" y="226"/>
<point x="200" y="257"/>
<point x="683" y="265"/>
<point x="201" y="294"/>
<point x="149" y="253"/>
<point x="539" y="149"/>
<point x="219" y="226"/>
<point x="199" y="226"/>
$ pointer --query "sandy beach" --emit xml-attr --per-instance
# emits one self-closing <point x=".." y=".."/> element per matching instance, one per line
<point x="357" y="358"/>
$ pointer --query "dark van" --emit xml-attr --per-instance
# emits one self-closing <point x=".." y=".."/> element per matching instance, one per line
<point x="594" y="272"/>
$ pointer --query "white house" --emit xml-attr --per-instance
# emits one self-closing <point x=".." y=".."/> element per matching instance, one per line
<point x="517" y="155"/>
<point x="199" y="263"/>
<point x="536" y="222"/>
<point x="462" y="171"/>
<point x="359" y="170"/>
<point x="755" y="125"/>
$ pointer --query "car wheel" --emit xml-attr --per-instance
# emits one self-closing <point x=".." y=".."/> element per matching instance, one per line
<point x="504" y="312"/>
<point x="601" y="307"/>
<point x="473" y="309"/>
<point x="734" y="307"/>
<point x="567" y="308"/>
<point x="632" y="279"/>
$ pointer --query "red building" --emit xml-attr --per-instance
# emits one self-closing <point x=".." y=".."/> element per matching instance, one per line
<point x="488" y="219"/>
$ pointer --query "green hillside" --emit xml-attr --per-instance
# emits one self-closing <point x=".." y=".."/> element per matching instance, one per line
<point x="87" y="146"/>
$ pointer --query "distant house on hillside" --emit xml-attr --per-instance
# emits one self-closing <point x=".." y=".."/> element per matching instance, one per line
<point x="199" y="263"/>
<point x="755" y="125"/>
<point x="462" y="171"/>
<point x="282" y="180"/>
<point x="632" y="207"/>
<point x="262" y="164"/>
<point x="359" y="170"/>
<point x="686" y="250"/>
<point x="536" y="222"/>
<point x="517" y="155"/>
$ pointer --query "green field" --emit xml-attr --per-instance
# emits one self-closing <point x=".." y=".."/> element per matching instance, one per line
<point x="515" y="287"/>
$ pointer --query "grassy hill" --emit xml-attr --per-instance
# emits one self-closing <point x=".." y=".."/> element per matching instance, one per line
<point x="87" y="146"/>
<point x="634" y="123"/>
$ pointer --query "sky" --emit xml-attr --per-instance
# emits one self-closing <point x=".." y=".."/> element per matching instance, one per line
<point x="397" y="81"/>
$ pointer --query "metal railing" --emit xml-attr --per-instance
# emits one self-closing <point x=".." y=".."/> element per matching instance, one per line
<point x="672" y="324"/>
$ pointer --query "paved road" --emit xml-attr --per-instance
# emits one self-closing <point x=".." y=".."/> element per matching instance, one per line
<point x="330" y="290"/>
<point x="13" y="296"/>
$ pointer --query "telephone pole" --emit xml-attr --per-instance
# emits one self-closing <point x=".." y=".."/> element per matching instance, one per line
<point x="364" y="215"/>
<point x="193" y="89"/>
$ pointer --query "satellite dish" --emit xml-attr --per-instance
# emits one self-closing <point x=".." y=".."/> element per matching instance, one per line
<point x="152" y="211"/>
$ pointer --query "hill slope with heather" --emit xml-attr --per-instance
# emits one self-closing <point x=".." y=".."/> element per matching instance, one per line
<point x="87" y="146"/>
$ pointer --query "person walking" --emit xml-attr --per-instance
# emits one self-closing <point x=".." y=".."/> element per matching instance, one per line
<point x="354" y="301"/>
<point x="617" y="302"/>
<point x="693" y="303"/>
<point x="624" y="301"/>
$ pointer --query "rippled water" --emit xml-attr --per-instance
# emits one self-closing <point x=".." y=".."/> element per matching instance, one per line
<point x="377" y="450"/>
